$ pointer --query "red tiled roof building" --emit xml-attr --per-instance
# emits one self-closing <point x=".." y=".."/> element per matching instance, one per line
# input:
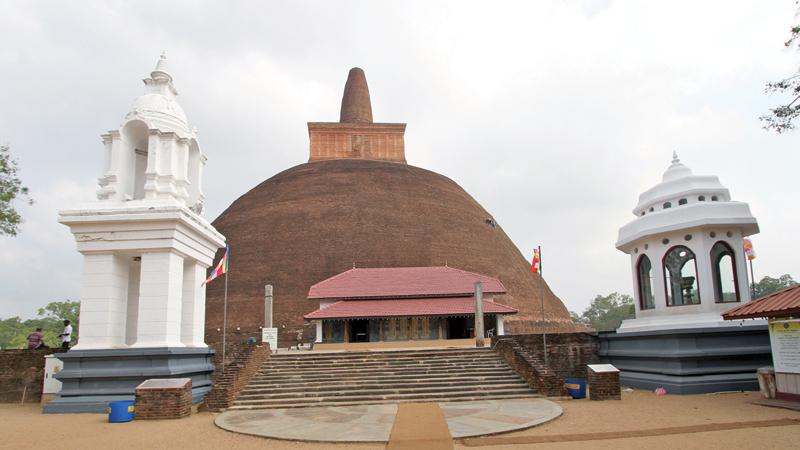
<point x="358" y="203"/>
<point x="399" y="303"/>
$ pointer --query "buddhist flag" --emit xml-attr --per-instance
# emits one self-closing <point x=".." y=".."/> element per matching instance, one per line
<point x="221" y="269"/>
<point x="748" y="250"/>
<point x="536" y="264"/>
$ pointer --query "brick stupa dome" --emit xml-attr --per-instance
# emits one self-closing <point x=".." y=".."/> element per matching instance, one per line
<point x="357" y="203"/>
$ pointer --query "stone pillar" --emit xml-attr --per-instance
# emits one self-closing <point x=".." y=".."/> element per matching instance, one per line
<point x="479" y="333"/>
<point x="268" y="307"/>
<point x="193" y="306"/>
<point x="104" y="293"/>
<point x="500" y="326"/>
<point x="160" y="299"/>
<point x="318" y="339"/>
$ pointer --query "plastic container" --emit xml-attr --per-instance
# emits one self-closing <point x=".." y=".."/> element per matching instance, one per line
<point x="576" y="387"/>
<point x="120" y="411"/>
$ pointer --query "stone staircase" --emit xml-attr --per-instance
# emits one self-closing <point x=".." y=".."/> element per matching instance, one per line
<point x="357" y="378"/>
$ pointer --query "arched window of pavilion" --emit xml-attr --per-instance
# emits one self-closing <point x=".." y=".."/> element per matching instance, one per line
<point x="723" y="271"/>
<point x="645" y="275"/>
<point x="680" y="277"/>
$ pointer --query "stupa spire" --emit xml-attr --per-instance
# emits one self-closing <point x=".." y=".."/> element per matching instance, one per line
<point x="675" y="158"/>
<point x="356" y="105"/>
<point x="161" y="70"/>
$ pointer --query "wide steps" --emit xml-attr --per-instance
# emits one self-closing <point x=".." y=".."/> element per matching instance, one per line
<point x="337" y="391"/>
<point x="354" y="378"/>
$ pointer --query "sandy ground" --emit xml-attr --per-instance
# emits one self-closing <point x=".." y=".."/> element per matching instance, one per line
<point x="23" y="427"/>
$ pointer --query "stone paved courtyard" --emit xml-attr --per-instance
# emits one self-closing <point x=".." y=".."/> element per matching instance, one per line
<point x="373" y="423"/>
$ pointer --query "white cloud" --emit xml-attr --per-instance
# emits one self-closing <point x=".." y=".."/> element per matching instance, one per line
<point x="568" y="109"/>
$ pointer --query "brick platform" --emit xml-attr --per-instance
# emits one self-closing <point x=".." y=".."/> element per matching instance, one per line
<point x="603" y="380"/>
<point x="165" y="398"/>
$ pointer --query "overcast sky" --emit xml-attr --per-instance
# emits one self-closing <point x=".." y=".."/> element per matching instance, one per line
<point x="553" y="115"/>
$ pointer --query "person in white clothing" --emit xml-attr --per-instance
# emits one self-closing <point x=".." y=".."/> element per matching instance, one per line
<point x="66" y="336"/>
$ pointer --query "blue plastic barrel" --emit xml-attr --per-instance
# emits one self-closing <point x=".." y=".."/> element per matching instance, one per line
<point x="576" y="387"/>
<point x="120" y="411"/>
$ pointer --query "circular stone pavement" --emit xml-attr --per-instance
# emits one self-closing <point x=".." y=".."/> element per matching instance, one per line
<point x="373" y="423"/>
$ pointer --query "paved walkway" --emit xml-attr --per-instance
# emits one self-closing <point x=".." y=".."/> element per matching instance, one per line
<point x="373" y="423"/>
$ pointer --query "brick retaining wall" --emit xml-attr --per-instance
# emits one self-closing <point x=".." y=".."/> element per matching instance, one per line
<point x="22" y="371"/>
<point x="567" y="357"/>
<point x="242" y="362"/>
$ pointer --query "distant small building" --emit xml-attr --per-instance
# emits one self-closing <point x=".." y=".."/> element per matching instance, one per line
<point x="404" y="303"/>
<point x="782" y="308"/>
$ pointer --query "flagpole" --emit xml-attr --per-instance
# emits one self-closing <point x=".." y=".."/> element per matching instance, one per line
<point x="541" y="301"/>
<point x="225" y="305"/>
<point x="752" y="281"/>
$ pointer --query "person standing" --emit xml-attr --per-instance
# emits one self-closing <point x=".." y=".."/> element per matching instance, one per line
<point x="66" y="336"/>
<point x="35" y="339"/>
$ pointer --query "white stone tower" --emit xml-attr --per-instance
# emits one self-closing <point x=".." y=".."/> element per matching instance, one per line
<point x="146" y="249"/>
<point x="686" y="248"/>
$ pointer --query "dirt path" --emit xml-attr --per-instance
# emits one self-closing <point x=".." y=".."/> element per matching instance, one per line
<point x="23" y="427"/>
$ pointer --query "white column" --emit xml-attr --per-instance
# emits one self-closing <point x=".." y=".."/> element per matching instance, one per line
<point x="193" y="309"/>
<point x="104" y="292"/>
<point x="500" y="326"/>
<point x="318" y="339"/>
<point x="160" y="292"/>
<point x="702" y="248"/>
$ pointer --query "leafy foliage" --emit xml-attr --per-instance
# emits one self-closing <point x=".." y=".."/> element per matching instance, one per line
<point x="606" y="313"/>
<point x="14" y="331"/>
<point x="768" y="285"/>
<point x="10" y="188"/>
<point x="781" y="118"/>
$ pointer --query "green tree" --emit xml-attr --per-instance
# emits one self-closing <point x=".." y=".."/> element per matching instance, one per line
<point x="606" y="313"/>
<point x="10" y="188"/>
<point x="14" y="331"/>
<point x="768" y="285"/>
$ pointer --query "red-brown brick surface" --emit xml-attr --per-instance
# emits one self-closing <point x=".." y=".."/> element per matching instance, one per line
<point x="242" y="362"/>
<point x="603" y="385"/>
<point x="163" y="403"/>
<point x="22" y="372"/>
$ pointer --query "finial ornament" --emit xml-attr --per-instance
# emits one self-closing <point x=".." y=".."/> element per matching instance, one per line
<point x="675" y="158"/>
<point x="161" y="70"/>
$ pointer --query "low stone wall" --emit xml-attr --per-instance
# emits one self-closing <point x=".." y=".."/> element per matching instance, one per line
<point x="22" y="372"/>
<point x="242" y="362"/>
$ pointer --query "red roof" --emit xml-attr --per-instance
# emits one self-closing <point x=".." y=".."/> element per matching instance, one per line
<point x="778" y="304"/>
<point x="354" y="309"/>
<point x="403" y="282"/>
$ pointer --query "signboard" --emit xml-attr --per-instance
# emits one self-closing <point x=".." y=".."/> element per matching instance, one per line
<point x="270" y="336"/>
<point x="784" y="336"/>
<point x="602" y="368"/>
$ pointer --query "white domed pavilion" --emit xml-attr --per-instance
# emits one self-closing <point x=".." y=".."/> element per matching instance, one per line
<point x="687" y="257"/>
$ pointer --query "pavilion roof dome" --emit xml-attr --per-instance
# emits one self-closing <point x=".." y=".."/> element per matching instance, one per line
<point x="677" y="182"/>
<point x="683" y="200"/>
<point x="157" y="106"/>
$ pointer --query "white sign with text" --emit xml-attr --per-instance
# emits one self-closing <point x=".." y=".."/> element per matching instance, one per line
<point x="270" y="336"/>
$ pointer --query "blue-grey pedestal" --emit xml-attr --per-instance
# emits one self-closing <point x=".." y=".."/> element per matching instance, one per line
<point x="689" y="361"/>
<point x="92" y="378"/>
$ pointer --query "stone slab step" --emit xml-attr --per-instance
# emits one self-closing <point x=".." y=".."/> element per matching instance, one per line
<point x="302" y="376"/>
<point x="371" y="401"/>
<point x="338" y="391"/>
<point x="411" y="381"/>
